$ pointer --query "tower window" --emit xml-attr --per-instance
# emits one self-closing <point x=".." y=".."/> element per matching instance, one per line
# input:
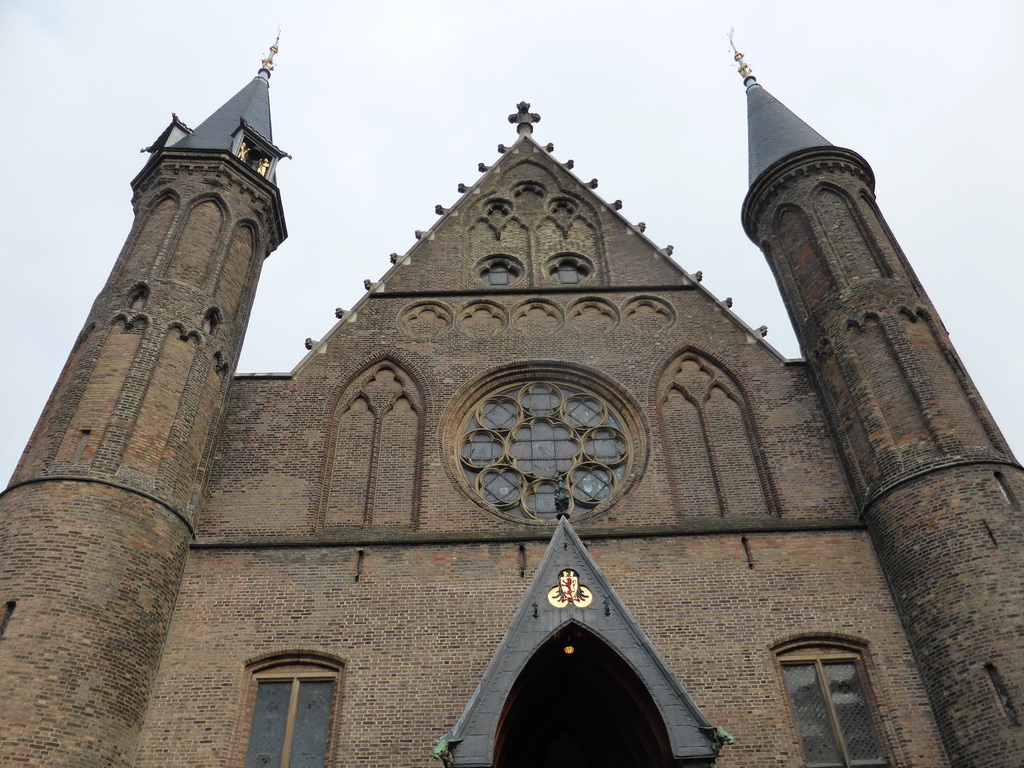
<point x="211" y="321"/>
<point x="834" y="719"/>
<point x="8" y="613"/>
<point x="137" y="299"/>
<point x="1005" y="489"/>
<point x="292" y="716"/>
<point x="255" y="159"/>
<point x="1000" y="690"/>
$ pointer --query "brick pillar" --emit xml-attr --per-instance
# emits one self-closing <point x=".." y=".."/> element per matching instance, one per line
<point x="938" y="485"/>
<point x="95" y="526"/>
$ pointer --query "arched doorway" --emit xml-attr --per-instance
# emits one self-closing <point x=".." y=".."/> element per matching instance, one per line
<point x="578" y="704"/>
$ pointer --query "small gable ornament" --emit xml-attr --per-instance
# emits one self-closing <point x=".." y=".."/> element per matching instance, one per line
<point x="562" y="499"/>
<point x="569" y="591"/>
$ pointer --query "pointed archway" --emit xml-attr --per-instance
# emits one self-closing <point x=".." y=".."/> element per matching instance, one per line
<point x="578" y="704"/>
<point x="611" y="701"/>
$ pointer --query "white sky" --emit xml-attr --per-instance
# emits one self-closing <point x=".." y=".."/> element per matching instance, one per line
<point x="388" y="105"/>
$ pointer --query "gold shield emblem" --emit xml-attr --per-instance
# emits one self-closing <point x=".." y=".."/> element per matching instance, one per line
<point x="569" y="591"/>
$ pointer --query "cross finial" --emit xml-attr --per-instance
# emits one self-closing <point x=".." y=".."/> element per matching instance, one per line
<point x="524" y="119"/>
<point x="744" y="69"/>
<point x="268" y="63"/>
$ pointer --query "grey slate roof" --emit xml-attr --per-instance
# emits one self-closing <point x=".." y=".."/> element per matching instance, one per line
<point x="773" y="132"/>
<point x="251" y="104"/>
<point x="609" y="620"/>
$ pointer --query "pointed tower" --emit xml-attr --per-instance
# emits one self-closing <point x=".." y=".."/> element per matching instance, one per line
<point x="96" y="523"/>
<point x="936" y="481"/>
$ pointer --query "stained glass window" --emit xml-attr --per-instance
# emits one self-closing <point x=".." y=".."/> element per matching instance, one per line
<point x="522" y="439"/>
<point x="290" y="721"/>
<point x="833" y="717"/>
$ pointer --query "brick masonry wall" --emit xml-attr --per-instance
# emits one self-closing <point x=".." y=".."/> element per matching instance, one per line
<point x="417" y="630"/>
<point x="276" y="456"/>
<point x="94" y="573"/>
<point x="301" y="459"/>
<point x="953" y="543"/>
<point x="358" y="451"/>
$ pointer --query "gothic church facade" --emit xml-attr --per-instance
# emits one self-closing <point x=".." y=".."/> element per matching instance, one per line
<point x="538" y="499"/>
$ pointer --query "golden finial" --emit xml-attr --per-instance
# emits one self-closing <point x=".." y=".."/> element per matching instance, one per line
<point x="744" y="69"/>
<point x="268" y="62"/>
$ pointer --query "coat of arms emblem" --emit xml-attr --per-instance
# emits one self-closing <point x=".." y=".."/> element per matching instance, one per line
<point x="569" y="591"/>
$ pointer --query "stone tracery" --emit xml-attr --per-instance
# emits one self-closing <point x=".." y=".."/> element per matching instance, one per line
<point x="521" y="440"/>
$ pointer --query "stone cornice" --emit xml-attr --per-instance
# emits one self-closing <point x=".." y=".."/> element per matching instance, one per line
<point x="171" y="508"/>
<point x="219" y="168"/>
<point x="365" y="537"/>
<point x="810" y="162"/>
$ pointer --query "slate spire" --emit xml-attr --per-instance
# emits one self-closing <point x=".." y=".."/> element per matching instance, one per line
<point x="773" y="131"/>
<point x="249" y="107"/>
<point x="241" y="126"/>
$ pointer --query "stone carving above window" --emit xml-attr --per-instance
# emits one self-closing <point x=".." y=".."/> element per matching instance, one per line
<point x="521" y="440"/>
<point x="593" y="315"/>
<point x="563" y="207"/>
<point x="528" y="193"/>
<point x="498" y="208"/>
<point x="648" y="312"/>
<point x="426" y="320"/>
<point x="482" y="319"/>
<point x="537" y="318"/>
<point x="529" y="216"/>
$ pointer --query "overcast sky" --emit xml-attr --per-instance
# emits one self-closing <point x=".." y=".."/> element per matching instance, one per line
<point x="388" y="105"/>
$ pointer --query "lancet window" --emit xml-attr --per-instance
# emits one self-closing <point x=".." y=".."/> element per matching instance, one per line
<point x="375" y="451"/>
<point x="709" y="441"/>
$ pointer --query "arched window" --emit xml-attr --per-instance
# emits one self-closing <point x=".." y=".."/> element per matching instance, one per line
<point x="569" y="269"/>
<point x="499" y="272"/>
<point x="211" y="321"/>
<point x="827" y="686"/>
<point x="293" y="707"/>
<point x="138" y="297"/>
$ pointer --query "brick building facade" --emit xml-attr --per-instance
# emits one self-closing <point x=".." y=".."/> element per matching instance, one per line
<point x="358" y="562"/>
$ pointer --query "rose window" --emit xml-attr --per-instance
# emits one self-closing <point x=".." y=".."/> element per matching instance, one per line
<point x="521" y="440"/>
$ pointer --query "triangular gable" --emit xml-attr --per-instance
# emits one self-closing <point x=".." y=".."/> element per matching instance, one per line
<point x="600" y="611"/>
<point x="445" y="256"/>
<point x="437" y="263"/>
